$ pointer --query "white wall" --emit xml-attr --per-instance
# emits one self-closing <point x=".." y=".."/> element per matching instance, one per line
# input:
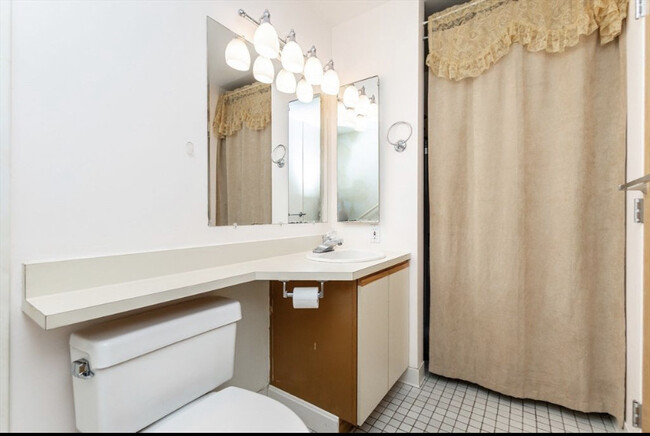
<point x="105" y="96"/>
<point x="387" y="41"/>
<point x="635" y="39"/>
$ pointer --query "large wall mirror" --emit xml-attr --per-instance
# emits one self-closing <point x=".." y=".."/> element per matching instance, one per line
<point x="358" y="152"/>
<point x="265" y="154"/>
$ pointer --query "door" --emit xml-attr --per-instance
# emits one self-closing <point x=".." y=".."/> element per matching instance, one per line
<point x="372" y="343"/>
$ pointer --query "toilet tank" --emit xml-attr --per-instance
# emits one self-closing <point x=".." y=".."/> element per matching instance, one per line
<point x="132" y="371"/>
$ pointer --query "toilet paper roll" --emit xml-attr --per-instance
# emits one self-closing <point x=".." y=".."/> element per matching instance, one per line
<point x="305" y="298"/>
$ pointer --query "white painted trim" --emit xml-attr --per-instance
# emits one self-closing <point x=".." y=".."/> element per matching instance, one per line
<point x="413" y="376"/>
<point x="314" y="417"/>
<point x="629" y="429"/>
<point x="5" y="171"/>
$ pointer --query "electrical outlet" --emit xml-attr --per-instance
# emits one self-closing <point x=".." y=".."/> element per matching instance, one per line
<point x="374" y="234"/>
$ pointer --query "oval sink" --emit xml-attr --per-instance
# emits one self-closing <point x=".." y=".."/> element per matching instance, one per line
<point x="346" y="256"/>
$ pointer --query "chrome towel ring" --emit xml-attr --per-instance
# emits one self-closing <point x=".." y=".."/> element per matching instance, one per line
<point x="400" y="145"/>
<point x="281" y="161"/>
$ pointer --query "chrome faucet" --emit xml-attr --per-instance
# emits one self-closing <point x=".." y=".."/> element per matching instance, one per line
<point x="329" y="242"/>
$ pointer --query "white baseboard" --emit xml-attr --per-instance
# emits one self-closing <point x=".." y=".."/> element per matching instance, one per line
<point x="413" y="376"/>
<point x="314" y="417"/>
<point x="630" y="429"/>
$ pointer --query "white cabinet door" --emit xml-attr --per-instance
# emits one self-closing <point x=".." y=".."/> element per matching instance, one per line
<point x="372" y="346"/>
<point x="398" y="324"/>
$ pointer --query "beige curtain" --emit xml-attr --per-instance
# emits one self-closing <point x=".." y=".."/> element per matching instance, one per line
<point x="243" y="156"/>
<point x="527" y="226"/>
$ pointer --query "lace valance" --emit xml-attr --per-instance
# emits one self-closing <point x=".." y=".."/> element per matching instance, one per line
<point x="464" y="41"/>
<point x="249" y="105"/>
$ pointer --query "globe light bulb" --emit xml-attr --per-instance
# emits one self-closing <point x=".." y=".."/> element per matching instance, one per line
<point x="292" y="57"/>
<point x="263" y="70"/>
<point x="237" y="55"/>
<point x="313" y="68"/>
<point x="304" y="91"/>
<point x="285" y="82"/>
<point x="265" y="38"/>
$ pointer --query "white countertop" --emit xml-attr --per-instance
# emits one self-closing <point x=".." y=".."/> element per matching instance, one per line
<point x="85" y="303"/>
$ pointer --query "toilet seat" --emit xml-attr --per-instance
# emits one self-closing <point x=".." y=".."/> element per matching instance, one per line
<point x="231" y="410"/>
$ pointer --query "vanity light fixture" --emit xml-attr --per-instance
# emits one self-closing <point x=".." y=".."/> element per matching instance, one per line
<point x="331" y="83"/>
<point x="237" y="55"/>
<point x="313" y="68"/>
<point x="266" y="38"/>
<point x="304" y="91"/>
<point x="292" y="57"/>
<point x="285" y="82"/>
<point x="351" y="96"/>
<point x="263" y="70"/>
<point x="268" y="44"/>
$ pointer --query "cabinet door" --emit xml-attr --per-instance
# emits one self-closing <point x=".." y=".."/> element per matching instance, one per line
<point x="372" y="343"/>
<point x="313" y="351"/>
<point x="398" y="324"/>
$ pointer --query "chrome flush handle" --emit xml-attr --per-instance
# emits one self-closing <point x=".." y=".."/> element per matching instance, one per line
<point x="81" y="369"/>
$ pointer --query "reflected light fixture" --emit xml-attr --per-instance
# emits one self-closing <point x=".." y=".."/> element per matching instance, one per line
<point x="330" y="84"/>
<point x="266" y="38"/>
<point x="340" y="113"/>
<point x="285" y="82"/>
<point x="263" y="70"/>
<point x="373" y="111"/>
<point x="304" y="91"/>
<point x="237" y="55"/>
<point x="360" y="123"/>
<point x="350" y="96"/>
<point x="292" y="57"/>
<point x="364" y="102"/>
<point x="313" y="68"/>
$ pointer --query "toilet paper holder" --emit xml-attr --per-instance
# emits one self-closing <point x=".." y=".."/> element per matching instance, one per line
<point x="286" y="294"/>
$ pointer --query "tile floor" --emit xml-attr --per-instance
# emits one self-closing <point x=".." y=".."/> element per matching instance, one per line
<point x="444" y="405"/>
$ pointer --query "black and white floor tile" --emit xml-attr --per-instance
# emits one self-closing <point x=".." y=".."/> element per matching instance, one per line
<point x="443" y="405"/>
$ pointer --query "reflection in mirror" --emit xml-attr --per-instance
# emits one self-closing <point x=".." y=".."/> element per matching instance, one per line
<point x="358" y="151"/>
<point x="305" y="177"/>
<point x="264" y="149"/>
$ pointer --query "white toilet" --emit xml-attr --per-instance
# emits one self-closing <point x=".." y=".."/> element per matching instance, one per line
<point x="152" y="371"/>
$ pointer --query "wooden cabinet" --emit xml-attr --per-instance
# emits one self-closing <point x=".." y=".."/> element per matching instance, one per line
<point x="344" y="356"/>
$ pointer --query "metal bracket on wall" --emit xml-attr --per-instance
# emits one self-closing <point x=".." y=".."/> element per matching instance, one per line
<point x="638" y="210"/>
<point x="641" y="8"/>
<point x="636" y="414"/>
<point x="286" y="294"/>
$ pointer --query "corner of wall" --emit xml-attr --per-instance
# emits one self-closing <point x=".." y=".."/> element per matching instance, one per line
<point x="5" y="170"/>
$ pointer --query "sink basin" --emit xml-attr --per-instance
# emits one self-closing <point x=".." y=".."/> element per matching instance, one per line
<point x="346" y="256"/>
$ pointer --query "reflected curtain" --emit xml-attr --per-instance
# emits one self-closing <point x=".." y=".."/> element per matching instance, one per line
<point x="243" y="156"/>
<point x="527" y="228"/>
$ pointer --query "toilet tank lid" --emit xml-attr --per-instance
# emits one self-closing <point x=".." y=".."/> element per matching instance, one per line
<point x="119" y="340"/>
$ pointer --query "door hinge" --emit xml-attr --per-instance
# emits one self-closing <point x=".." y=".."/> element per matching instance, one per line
<point x="638" y="210"/>
<point x="636" y="414"/>
<point x="641" y="8"/>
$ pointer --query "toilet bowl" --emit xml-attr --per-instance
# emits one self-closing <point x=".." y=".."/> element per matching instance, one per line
<point x="155" y="372"/>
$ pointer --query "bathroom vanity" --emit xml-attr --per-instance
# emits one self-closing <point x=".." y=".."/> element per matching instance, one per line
<point x="341" y="358"/>
<point x="346" y="355"/>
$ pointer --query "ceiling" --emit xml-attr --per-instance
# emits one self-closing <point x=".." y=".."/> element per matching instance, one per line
<point x="334" y="12"/>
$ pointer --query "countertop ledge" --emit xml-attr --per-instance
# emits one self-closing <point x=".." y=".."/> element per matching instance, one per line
<point x="87" y="303"/>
